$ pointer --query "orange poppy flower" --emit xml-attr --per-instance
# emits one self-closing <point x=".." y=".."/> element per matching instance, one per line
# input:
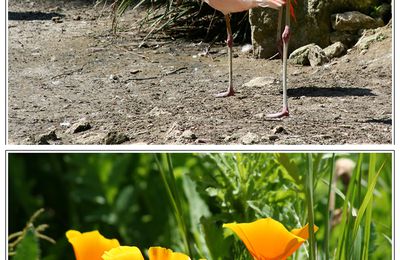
<point x="90" y="245"/>
<point x="123" y="253"/>
<point x="268" y="239"/>
<point x="160" y="253"/>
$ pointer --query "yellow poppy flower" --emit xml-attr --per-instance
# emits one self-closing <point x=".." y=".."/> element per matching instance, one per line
<point x="268" y="239"/>
<point x="123" y="253"/>
<point x="160" y="253"/>
<point x="90" y="245"/>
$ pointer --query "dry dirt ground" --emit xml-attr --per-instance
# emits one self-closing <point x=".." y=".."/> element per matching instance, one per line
<point x="70" y="81"/>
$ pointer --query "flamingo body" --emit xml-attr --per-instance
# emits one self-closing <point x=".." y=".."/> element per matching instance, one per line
<point x="234" y="6"/>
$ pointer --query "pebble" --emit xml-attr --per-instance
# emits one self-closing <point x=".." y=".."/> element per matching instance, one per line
<point x="49" y="136"/>
<point x="279" y="130"/>
<point x="250" y="138"/>
<point x="273" y="137"/>
<point x="115" y="138"/>
<point x="80" y="126"/>
<point x="189" y="135"/>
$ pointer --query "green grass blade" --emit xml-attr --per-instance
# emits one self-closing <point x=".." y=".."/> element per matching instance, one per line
<point x="371" y="170"/>
<point x="329" y="214"/>
<point x="344" y="241"/>
<point x="366" y="202"/>
<point x="309" y="186"/>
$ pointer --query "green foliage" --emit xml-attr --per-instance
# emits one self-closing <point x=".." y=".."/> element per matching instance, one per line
<point x="180" y="201"/>
<point x="25" y="244"/>
<point x="28" y="248"/>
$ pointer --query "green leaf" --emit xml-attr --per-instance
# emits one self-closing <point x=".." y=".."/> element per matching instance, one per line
<point x="289" y="165"/>
<point x="214" y="236"/>
<point x="28" y="248"/>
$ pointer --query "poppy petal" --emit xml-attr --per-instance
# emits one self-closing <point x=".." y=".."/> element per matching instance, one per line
<point x="90" y="245"/>
<point x="267" y="239"/>
<point x="123" y="253"/>
<point x="160" y="253"/>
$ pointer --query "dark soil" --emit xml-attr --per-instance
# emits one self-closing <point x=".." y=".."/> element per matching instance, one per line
<point x="71" y="81"/>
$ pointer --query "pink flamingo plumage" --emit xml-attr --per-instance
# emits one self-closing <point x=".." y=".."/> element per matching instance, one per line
<point x="232" y="6"/>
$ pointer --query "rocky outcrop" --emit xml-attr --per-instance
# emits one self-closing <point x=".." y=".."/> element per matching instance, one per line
<point x="311" y="25"/>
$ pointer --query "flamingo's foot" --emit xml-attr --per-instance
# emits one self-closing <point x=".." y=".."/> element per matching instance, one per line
<point x="225" y="94"/>
<point x="283" y="113"/>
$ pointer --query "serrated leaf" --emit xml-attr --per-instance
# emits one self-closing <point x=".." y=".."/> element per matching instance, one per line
<point x="28" y="248"/>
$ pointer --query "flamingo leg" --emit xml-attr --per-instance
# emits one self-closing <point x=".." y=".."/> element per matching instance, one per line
<point x="285" y="40"/>
<point x="229" y="42"/>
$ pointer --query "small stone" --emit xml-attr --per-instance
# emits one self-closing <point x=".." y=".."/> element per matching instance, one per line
<point x="49" y="136"/>
<point x="247" y="48"/>
<point x="77" y="18"/>
<point x="80" y="126"/>
<point x="113" y="77"/>
<point x="189" y="135"/>
<point x="259" y="82"/>
<point x="56" y="19"/>
<point x="115" y="138"/>
<point x="65" y="124"/>
<point x="279" y="130"/>
<point x="250" y="138"/>
<point x="259" y="116"/>
<point x="273" y="137"/>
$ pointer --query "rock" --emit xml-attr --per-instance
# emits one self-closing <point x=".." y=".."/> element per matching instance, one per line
<point x="259" y="82"/>
<point x="313" y="24"/>
<point x="247" y="48"/>
<point x="65" y="124"/>
<point x="279" y="130"/>
<point x="115" y="138"/>
<point x="317" y="56"/>
<point x="353" y="21"/>
<point x="347" y="38"/>
<point x="365" y="41"/>
<point x="56" y="19"/>
<point x="250" y="138"/>
<point x="300" y="56"/>
<point x="259" y="116"/>
<point x="335" y="50"/>
<point x="49" y="136"/>
<point x="273" y="137"/>
<point x="231" y="138"/>
<point x="310" y="54"/>
<point x="80" y="126"/>
<point x="188" y="135"/>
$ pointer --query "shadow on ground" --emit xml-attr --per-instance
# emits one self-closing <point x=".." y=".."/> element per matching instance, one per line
<point x="31" y="16"/>
<point x="329" y="92"/>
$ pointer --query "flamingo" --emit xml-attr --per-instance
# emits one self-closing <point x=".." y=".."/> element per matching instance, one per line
<point x="233" y="6"/>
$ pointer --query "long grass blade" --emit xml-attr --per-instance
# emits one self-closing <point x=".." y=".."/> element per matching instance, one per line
<point x="329" y="209"/>
<point x="371" y="170"/>
<point x="309" y="186"/>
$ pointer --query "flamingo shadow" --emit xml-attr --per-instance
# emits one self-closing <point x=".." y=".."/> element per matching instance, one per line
<point x="30" y="16"/>
<point x="329" y="92"/>
<point x="385" y="121"/>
